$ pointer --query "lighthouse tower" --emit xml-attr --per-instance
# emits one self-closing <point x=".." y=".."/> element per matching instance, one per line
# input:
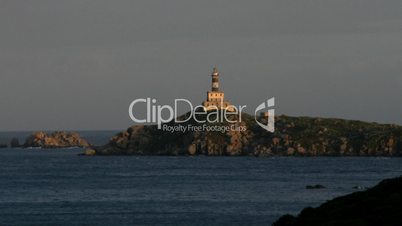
<point x="215" y="97"/>
<point x="215" y="80"/>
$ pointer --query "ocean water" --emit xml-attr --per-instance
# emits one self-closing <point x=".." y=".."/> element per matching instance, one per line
<point x="58" y="187"/>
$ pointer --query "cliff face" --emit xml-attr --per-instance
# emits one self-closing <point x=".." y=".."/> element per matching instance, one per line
<point x="148" y="140"/>
<point x="299" y="136"/>
<point x="55" y="140"/>
<point x="380" y="205"/>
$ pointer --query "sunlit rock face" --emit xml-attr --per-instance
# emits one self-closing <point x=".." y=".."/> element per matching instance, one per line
<point x="293" y="136"/>
<point x="55" y="140"/>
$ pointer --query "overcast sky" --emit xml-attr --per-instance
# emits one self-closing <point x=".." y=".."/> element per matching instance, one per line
<point x="78" y="64"/>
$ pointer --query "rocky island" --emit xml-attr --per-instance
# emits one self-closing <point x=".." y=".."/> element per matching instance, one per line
<point x="380" y="205"/>
<point x="293" y="136"/>
<point x="59" y="139"/>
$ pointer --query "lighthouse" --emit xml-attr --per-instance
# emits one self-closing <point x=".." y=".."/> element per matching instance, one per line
<point x="215" y="80"/>
<point x="215" y="97"/>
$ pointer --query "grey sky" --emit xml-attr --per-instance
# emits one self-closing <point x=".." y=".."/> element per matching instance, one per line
<point x="77" y="64"/>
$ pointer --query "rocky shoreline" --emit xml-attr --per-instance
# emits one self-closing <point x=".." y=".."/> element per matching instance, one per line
<point x="58" y="139"/>
<point x="293" y="136"/>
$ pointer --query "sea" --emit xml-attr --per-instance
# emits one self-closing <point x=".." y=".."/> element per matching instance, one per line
<point x="59" y="187"/>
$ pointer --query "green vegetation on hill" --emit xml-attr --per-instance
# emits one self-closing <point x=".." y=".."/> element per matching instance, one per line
<point x="293" y="136"/>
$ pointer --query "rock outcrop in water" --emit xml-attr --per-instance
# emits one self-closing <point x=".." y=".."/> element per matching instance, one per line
<point x="57" y="139"/>
<point x="380" y="205"/>
<point x="293" y="136"/>
<point x="15" y="143"/>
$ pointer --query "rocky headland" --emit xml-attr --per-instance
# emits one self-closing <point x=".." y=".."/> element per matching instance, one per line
<point x="380" y="205"/>
<point x="59" y="139"/>
<point x="293" y="136"/>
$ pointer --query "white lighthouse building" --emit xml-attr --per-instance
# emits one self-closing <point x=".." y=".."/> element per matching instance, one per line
<point x="215" y="97"/>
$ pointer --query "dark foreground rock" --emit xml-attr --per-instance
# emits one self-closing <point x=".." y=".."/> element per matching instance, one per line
<point x="378" y="206"/>
<point x="317" y="186"/>
<point x="293" y="136"/>
<point x="58" y="139"/>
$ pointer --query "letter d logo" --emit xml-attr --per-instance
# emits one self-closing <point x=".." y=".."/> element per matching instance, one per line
<point x="270" y="114"/>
